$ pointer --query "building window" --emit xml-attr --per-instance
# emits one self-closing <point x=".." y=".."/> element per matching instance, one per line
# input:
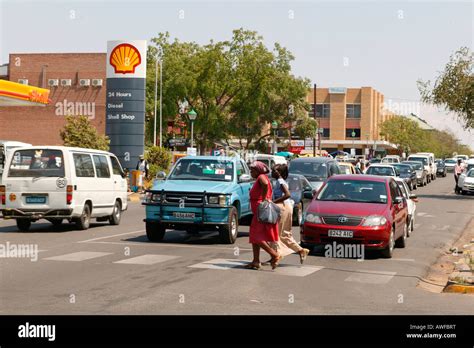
<point x="326" y="133"/>
<point x="322" y="110"/>
<point x="353" y="110"/>
<point x="352" y="133"/>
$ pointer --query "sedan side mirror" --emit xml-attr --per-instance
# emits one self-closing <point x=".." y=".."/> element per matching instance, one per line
<point x="308" y="193"/>
<point x="245" y="178"/>
<point x="161" y="175"/>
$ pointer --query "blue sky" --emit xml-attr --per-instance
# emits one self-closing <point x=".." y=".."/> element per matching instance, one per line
<point x="384" y="44"/>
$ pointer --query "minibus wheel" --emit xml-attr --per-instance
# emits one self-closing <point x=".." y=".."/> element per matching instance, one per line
<point x="23" y="225"/>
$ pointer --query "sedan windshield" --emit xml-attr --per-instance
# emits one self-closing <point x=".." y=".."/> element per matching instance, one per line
<point x="419" y="159"/>
<point x="37" y="163"/>
<point x="384" y="171"/>
<point x="311" y="170"/>
<point x="403" y="168"/>
<point x="416" y="165"/>
<point x="203" y="169"/>
<point x="354" y="191"/>
<point x="470" y="173"/>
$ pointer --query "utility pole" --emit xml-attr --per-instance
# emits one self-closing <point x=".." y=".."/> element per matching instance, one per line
<point x="314" y="111"/>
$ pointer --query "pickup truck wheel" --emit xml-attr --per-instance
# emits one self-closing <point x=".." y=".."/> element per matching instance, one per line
<point x="388" y="251"/>
<point x="155" y="232"/>
<point x="116" y="216"/>
<point x="23" y="225"/>
<point x="228" y="233"/>
<point x="84" y="221"/>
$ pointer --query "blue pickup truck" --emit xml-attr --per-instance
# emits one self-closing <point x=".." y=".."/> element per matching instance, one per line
<point x="200" y="193"/>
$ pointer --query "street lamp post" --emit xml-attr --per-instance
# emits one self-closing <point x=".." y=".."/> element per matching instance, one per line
<point x="274" y="127"/>
<point x="158" y="60"/>
<point x="353" y="134"/>
<point x="192" y="116"/>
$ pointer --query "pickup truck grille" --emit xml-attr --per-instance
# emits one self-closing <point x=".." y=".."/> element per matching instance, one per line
<point x="334" y="220"/>
<point x="188" y="198"/>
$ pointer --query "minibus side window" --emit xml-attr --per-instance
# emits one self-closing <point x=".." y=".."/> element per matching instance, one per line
<point x="101" y="166"/>
<point x="116" y="167"/>
<point x="83" y="164"/>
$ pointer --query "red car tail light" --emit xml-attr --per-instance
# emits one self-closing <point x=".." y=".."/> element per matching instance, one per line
<point x="3" y="195"/>
<point x="69" y="191"/>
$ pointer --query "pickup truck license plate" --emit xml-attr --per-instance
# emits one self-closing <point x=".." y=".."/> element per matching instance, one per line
<point x="341" y="233"/>
<point x="183" y="215"/>
<point x="35" y="200"/>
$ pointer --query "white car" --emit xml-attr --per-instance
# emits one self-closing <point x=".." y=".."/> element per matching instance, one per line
<point x="466" y="182"/>
<point x="427" y="164"/>
<point x="449" y="163"/>
<point x="469" y="164"/>
<point x="383" y="170"/>
<point x="269" y="160"/>
<point x="411" y="203"/>
<point x="6" y="148"/>
<point x="59" y="183"/>
<point x="391" y="159"/>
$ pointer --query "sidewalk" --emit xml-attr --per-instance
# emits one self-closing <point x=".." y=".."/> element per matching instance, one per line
<point x="453" y="271"/>
<point x="135" y="197"/>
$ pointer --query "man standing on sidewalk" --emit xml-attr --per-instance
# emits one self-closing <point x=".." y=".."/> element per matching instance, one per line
<point x="458" y="170"/>
<point x="143" y="167"/>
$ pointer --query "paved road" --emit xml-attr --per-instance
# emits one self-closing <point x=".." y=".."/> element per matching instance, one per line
<point x="115" y="270"/>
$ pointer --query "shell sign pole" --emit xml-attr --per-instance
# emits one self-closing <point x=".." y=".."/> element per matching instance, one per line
<point x="125" y="104"/>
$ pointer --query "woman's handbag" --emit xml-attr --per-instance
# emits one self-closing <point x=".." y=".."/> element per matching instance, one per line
<point x="268" y="212"/>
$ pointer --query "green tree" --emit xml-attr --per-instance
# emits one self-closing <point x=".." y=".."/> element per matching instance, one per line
<point x="454" y="87"/>
<point x="158" y="158"/>
<point x="79" y="132"/>
<point x="235" y="86"/>
<point x="404" y="133"/>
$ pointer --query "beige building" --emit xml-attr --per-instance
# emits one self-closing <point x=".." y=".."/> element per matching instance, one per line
<point x="350" y="118"/>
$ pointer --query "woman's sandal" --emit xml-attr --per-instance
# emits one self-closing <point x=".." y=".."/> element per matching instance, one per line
<point x="275" y="261"/>
<point x="253" y="266"/>
<point x="303" y="254"/>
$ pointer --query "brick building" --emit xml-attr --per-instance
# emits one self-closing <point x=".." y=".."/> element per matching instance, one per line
<point x="350" y="118"/>
<point x="77" y="86"/>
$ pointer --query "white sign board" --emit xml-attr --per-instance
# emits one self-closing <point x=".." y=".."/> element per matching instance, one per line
<point x="191" y="151"/>
<point x="353" y="152"/>
<point x="297" y="143"/>
<point x="367" y="151"/>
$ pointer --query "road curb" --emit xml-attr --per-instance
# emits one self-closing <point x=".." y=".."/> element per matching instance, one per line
<point x="459" y="289"/>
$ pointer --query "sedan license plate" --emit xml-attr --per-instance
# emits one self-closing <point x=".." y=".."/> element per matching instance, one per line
<point x="184" y="215"/>
<point x="35" y="200"/>
<point x="341" y="233"/>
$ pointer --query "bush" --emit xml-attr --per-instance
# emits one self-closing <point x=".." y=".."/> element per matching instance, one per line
<point x="79" y="132"/>
<point x="159" y="159"/>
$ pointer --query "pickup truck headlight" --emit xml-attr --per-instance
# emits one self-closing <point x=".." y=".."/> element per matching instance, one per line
<point x="374" y="220"/>
<point x="221" y="200"/>
<point x="313" y="218"/>
<point x="152" y="197"/>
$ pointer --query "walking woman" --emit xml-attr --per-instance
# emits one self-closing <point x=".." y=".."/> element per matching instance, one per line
<point x="260" y="233"/>
<point x="282" y="197"/>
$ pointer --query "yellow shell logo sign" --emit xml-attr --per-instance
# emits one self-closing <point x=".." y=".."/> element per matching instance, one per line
<point x="125" y="58"/>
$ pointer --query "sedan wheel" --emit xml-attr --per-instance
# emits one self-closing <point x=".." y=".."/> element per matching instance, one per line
<point x="388" y="251"/>
<point x="402" y="241"/>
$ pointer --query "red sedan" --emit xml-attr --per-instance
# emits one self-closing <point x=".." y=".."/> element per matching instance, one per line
<point x="357" y="209"/>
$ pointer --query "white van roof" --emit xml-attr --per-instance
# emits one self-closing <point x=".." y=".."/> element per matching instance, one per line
<point x="13" y="143"/>
<point x="67" y="148"/>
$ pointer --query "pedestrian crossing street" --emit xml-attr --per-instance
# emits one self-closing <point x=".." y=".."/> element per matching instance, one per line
<point x="286" y="268"/>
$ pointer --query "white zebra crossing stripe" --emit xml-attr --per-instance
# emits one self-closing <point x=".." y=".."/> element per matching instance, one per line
<point x="282" y="269"/>
<point x="370" y="277"/>
<point x="79" y="256"/>
<point x="147" y="259"/>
